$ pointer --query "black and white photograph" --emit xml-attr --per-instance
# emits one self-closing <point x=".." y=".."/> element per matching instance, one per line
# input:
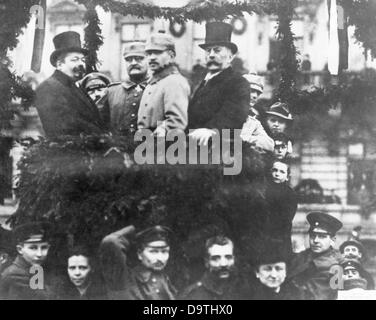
<point x="187" y="150"/>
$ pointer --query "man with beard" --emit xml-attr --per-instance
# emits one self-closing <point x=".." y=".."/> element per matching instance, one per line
<point x="123" y="99"/>
<point x="222" y="99"/>
<point x="63" y="107"/>
<point x="220" y="281"/>
<point x="310" y="270"/>
<point x="164" y="102"/>
<point x="147" y="280"/>
<point x="354" y="250"/>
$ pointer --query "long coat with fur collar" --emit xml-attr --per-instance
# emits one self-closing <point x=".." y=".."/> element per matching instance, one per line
<point x="220" y="104"/>
<point x="65" y="109"/>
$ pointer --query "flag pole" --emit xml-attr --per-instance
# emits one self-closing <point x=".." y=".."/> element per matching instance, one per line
<point x="40" y="30"/>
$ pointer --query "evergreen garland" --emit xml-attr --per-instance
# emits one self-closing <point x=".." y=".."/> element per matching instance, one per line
<point x="93" y="36"/>
<point x="288" y="64"/>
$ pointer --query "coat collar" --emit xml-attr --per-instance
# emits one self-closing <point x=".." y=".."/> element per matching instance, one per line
<point x="220" y="76"/>
<point x="129" y="84"/>
<point x="144" y="274"/>
<point x="64" y="79"/>
<point x="172" y="69"/>
<point x="21" y="262"/>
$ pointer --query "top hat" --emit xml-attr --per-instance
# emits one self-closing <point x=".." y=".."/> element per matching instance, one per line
<point x="320" y="220"/>
<point x="68" y="41"/>
<point x="273" y="251"/>
<point x="281" y="110"/>
<point x="160" y="41"/>
<point x="155" y="233"/>
<point x="219" y="33"/>
<point x="136" y="48"/>
<point x="95" y="80"/>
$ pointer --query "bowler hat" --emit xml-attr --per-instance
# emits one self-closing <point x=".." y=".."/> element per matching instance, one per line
<point x="219" y="33"/>
<point x="32" y="232"/>
<point x="320" y="220"/>
<point x="136" y="48"/>
<point x="160" y="42"/>
<point x="155" y="233"/>
<point x="95" y="80"/>
<point x="68" y="41"/>
<point x="281" y="110"/>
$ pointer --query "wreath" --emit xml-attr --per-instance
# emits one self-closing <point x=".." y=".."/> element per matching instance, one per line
<point x="239" y="24"/>
<point x="177" y="29"/>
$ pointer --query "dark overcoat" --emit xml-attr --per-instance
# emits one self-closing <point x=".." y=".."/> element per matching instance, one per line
<point x="65" y="109"/>
<point x="222" y="103"/>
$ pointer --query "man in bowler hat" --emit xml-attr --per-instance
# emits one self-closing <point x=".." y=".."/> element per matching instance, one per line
<point x="148" y="279"/>
<point x="222" y="99"/>
<point x="63" y="107"/>
<point x="310" y="270"/>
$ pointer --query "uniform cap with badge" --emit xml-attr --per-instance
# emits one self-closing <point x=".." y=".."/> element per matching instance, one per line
<point x="32" y="232"/>
<point x="354" y="243"/>
<point x="160" y="42"/>
<point x="323" y="223"/>
<point x="134" y="49"/>
<point x="154" y="234"/>
<point x="95" y="80"/>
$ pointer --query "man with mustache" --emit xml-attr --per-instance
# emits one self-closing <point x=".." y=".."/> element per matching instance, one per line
<point x="164" y="103"/>
<point x="220" y="281"/>
<point x="123" y="98"/>
<point x="148" y="279"/>
<point x="310" y="270"/>
<point x="222" y="99"/>
<point x="63" y="107"/>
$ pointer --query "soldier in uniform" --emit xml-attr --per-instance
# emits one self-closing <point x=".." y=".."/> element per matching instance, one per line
<point x="32" y="247"/>
<point x="164" y="103"/>
<point x="123" y="98"/>
<point x="147" y="280"/>
<point x="220" y="281"/>
<point x="354" y="250"/>
<point x="95" y="84"/>
<point x="310" y="270"/>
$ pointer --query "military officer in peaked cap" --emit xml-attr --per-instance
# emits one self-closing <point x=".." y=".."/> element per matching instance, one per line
<point x="310" y="270"/>
<point x="147" y="280"/>
<point x="123" y="99"/>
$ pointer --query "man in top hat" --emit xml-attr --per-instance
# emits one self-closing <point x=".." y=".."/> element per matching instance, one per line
<point x="147" y="280"/>
<point x="32" y="247"/>
<point x="164" y="103"/>
<point x="63" y="107"/>
<point x="354" y="250"/>
<point x="123" y="99"/>
<point x="311" y="269"/>
<point x="220" y="280"/>
<point x="222" y="99"/>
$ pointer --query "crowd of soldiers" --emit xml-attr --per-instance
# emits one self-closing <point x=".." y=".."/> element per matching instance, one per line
<point x="156" y="96"/>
